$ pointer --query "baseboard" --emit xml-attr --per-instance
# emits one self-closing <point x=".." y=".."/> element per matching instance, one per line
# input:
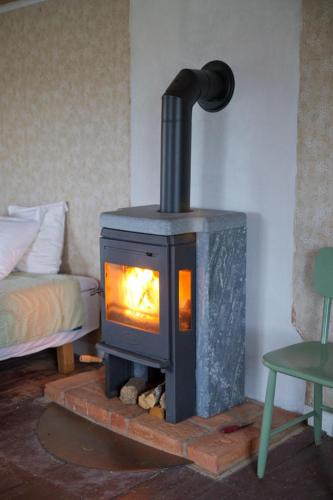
<point x="327" y="425"/>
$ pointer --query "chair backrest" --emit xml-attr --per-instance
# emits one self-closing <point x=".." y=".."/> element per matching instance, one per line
<point x="323" y="282"/>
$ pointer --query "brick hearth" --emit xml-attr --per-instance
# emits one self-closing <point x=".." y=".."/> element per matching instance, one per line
<point x="197" y="439"/>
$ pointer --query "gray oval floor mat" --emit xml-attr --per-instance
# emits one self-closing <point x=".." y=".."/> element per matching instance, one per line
<point x="76" y="440"/>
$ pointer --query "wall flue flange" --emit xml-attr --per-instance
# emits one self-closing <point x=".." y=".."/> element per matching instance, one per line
<point x="212" y="87"/>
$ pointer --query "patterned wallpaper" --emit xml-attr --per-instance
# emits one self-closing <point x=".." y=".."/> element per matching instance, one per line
<point x="64" y="120"/>
<point x="314" y="191"/>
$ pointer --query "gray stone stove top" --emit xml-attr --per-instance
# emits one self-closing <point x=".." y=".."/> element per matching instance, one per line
<point x="148" y="219"/>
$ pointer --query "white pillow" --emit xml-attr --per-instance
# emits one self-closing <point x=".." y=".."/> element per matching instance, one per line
<point x="45" y="254"/>
<point x="16" y="235"/>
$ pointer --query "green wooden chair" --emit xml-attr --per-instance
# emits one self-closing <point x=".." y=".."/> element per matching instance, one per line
<point x="310" y="361"/>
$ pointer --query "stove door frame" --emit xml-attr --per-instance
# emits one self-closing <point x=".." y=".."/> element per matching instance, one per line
<point x="144" y="255"/>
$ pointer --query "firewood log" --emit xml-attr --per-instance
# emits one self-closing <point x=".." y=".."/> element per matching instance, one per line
<point x="87" y="358"/>
<point x="157" y="412"/>
<point x="163" y="401"/>
<point x="150" y="398"/>
<point x="130" y="392"/>
<point x="142" y="400"/>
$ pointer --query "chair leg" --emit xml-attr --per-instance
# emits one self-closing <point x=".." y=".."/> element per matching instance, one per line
<point x="318" y="401"/>
<point x="266" y="424"/>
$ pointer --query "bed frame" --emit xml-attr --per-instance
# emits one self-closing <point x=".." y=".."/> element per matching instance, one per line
<point x="65" y="351"/>
<point x="65" y="358"/>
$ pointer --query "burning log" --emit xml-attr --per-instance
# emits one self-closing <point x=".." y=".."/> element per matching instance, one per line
<point x="150" y="398"/>
<point x="130" y="392"/>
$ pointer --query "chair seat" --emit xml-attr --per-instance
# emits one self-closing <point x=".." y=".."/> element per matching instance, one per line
<point x="310" y="361"/>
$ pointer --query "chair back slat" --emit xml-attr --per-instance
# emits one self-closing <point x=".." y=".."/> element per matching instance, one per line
<point x="323" y="283"/>
<point x="325" y="326"/>
<point x="323" y="272"/>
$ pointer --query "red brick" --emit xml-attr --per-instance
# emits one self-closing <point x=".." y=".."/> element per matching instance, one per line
<point x="96" y="387"/>
<point x="110" y="413"/>
<point x="55" y="393"/>
<point x="281" y="416"/>
<point x="75" y="400"/>
<point x="99" y="408"/>
<point x="95" y="406"/>
<point x="212" y="423"/>
<point x="121" y="417"/>
<point x="162" y="435"/>
<point x="245" y="412"/>
<point x="56" y="390"/>
<point x="217" y="452"/>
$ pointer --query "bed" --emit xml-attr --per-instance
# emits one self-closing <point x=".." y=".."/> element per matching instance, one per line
<point x="85" y="320"/>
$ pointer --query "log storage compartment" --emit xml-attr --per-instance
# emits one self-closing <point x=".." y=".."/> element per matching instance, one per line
<point x="148" y="312"/>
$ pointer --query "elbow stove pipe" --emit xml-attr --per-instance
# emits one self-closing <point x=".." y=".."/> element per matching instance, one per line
<point x="212" y="87"/>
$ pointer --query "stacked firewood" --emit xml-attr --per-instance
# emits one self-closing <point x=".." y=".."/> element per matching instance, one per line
<point x="135" y="391"/>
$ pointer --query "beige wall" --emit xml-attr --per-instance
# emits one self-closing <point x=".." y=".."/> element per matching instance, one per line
<point x="64" y="114"/>
<point x="314" y="195"/>
<point x="314" y="191"/>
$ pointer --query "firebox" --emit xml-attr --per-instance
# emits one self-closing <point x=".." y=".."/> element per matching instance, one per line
<point x="172" y="278"/>
<point x="148" y="312"/>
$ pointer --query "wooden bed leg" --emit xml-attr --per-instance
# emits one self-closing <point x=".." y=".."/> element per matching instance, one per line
<point x="65" y="357"/>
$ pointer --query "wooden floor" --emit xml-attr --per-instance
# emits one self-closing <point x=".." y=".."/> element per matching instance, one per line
<point x="297" y="470"/>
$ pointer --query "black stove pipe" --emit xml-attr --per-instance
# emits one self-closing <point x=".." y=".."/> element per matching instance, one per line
<point x="212" y="87"/>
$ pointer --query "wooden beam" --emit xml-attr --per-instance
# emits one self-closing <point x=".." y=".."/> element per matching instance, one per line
<point x="65" y="357"/>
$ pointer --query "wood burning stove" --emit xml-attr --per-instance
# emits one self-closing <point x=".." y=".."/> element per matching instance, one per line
<point x="148" y="312"/>
<point x="149" y="273"/>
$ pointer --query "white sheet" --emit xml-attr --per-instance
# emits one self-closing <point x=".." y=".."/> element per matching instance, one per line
<point x="91" y="306"/>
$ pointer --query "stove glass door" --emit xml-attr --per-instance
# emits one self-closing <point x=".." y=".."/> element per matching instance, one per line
<point x="132" y="297"/>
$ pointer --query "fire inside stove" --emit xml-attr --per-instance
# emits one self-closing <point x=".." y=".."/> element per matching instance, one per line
<point x="132" y="297"/>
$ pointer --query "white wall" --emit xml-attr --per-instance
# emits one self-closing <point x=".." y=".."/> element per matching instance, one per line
<point x="243" y="158"/>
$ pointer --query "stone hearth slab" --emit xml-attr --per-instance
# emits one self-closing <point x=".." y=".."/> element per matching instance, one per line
<point x="198" y="439"/>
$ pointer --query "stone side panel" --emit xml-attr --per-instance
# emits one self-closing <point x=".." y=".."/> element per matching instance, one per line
<point x="221" y="280"/>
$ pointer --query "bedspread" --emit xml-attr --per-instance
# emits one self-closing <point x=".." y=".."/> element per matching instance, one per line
<point x="33" y="306"/>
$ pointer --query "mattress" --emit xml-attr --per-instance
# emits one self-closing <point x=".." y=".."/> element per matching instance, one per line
<point x="91" y="307"/>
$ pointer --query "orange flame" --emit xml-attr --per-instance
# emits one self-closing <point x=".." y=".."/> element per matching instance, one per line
<point x="132" y="296"/>
<point x="141" y="292"/>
